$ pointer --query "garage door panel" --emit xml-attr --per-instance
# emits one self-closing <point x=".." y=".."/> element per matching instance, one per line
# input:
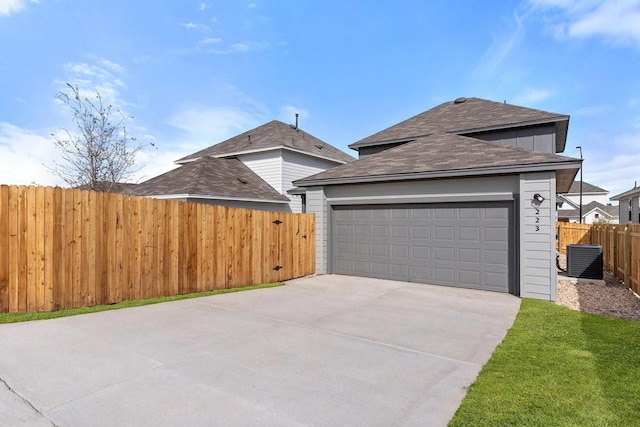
<point x="444" y="233"/>
<point x="469" y="255"/>
<point x="450" y="244"/>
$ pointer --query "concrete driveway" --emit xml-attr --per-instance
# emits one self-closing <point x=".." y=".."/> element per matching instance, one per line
<point x="325" y="350"/>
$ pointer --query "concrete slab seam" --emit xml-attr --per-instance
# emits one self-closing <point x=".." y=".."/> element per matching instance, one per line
<point x="15" y="393"/>
<point x="381" y="344"/>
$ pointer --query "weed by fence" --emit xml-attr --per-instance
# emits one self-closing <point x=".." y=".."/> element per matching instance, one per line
<point x="65" y="248"/>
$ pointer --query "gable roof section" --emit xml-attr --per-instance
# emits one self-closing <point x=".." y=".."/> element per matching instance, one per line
<point x="471" y="115"/>
<point x="446" y="155"/>
<point x="634" y="192"/>
<point x="210" y="177"/>
<point x="560" y="198"/>
<point x="609" y="210"/>
<point x="586" y="188"/>
<point x="274" y="134"/>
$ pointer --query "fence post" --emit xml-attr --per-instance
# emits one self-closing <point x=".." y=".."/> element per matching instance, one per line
<point x="627" y="256"/>
<point x="615" y="252"/>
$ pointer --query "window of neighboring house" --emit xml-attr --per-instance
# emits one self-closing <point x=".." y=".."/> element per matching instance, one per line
<point x="630" y="210"/>
<point x="304" y="203"/>
<point x="597" y="216"/>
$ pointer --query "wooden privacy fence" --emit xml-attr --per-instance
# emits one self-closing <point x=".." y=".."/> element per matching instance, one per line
<point x="620" y="251"/>
<point x="65" y="248"/>
<point x="620" y="247"/>
<point x="568" y="233"/>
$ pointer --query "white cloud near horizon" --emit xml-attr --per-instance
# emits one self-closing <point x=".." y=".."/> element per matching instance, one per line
<point x="206" y="126"/>
<point x="23" y="155"/>
<point x="9" y="7"/>
<point x="616" y="21"/>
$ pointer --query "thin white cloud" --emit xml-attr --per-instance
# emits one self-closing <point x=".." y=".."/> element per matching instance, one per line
<point x="599" y="164"/>
<point x="592" y="111"/>
<point x="103" y="75"/>
<point x="252" y="5"/>
<point x="616" y="21"/>
<point x="533" y="96"/>
<point x="195" y="26"/>
<point x="502" y="45"/>
<point x="9" y="7"/>
<point x="23" y="154"/>
<point x="204" y="6"/>
<point x="209" y="125"/>
<point x="288" y="114"/>
<point x="239" y="48"/>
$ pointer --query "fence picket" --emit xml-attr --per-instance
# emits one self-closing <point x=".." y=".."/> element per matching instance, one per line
<point x="66" y="248"/>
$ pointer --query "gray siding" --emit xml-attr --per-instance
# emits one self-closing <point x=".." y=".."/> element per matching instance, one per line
<point x="317" y="204"/>
<point x="535" y="138"/>
<point x="367" y="151"/>
<point x="430" y="191"/>
<point x="537" y="236"/>
<point x="629" y="205"/>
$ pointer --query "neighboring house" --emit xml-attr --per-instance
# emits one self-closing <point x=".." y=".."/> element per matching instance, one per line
<point x="460" y="195"/>
<point x="595" y="205"/>
<point x="629" y="205"/>
<point x="253" y="170"/>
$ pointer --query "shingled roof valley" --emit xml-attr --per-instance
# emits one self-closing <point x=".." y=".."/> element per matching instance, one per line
<point x="465" y="115"/>
<point x="211" y="177"/>
<point x="272" y="135"/>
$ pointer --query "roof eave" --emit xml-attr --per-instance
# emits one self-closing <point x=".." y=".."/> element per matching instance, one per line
<point x="212" y="197"/>
<point x="263" y="150"/>
<point x="540" y="167"/>
<point x="626" y="194"/>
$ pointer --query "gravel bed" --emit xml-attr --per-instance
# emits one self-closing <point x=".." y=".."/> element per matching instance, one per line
<point x="612" y="298"/>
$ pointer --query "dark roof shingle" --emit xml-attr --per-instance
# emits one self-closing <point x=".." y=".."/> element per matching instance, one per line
<point x="210" y="176"/>
<point x="586" y="188"/>
<point x="441" y="153"/>
<point x="472" y="115"/>
<point x="271" y="135"/>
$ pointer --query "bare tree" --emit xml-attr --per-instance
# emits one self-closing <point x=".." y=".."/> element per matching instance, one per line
<point x="100" y="154"/>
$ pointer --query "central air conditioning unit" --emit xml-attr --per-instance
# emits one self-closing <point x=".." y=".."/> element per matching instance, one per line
<point x="584" y="261"/>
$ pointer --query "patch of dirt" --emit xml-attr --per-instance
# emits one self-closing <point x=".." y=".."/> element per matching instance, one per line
<point x="612" y="298"/>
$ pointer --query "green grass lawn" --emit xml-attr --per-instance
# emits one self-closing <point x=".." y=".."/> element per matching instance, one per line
<point x="23" y="317"/>
<point x="558" y="367"/>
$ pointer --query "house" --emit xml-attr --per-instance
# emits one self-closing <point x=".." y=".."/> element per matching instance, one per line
<point x="462" y="195"/>
<point x="629" y="205"/>
<point x="253" y="170"/>
<point x="595" y="205"/>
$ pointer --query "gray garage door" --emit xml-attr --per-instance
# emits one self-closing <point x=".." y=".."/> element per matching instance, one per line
<point x="452" y="244"/>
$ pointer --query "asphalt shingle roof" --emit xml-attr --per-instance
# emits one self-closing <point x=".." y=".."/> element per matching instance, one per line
<point x="210" y="176"/>
<point x="575" y="213"/>
<point x="442" y="152"/>
<point x="586" y="188"/>
<point x="271" y="135"/>
<point x="472" y="115"/>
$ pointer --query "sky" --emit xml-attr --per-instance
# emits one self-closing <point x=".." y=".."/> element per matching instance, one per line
<point x="194" y="73"/>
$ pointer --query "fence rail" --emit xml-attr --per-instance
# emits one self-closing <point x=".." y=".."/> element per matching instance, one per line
<point x="65" y="248"/>
<point x="620" y="247"/>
